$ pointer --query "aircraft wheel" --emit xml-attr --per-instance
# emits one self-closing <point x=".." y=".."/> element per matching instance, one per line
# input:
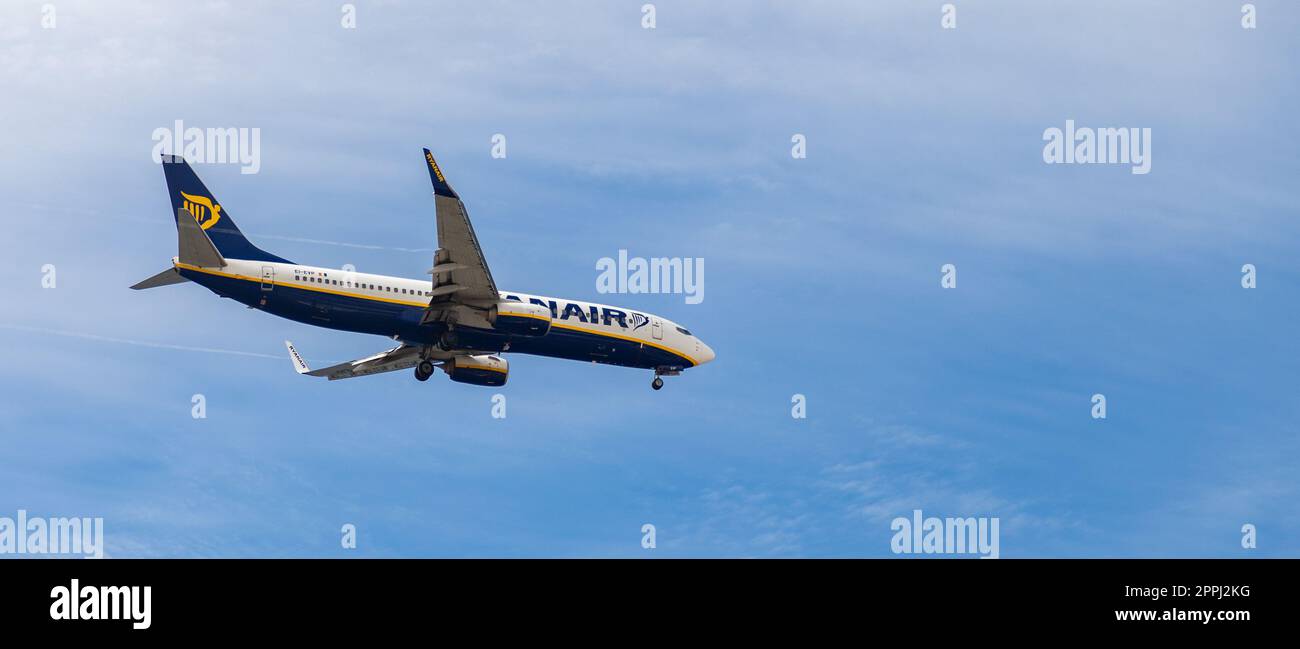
<point x="657" y="384"/>
<point x="423" y="371"/>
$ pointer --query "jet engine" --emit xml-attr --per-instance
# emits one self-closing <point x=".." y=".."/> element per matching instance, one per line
<point x="484" y="369"/>
<point x="520" y="319"/>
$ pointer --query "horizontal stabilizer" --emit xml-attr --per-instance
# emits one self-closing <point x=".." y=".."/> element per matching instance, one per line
<point x="195" y="248"/>
<point x="165" y="278"/>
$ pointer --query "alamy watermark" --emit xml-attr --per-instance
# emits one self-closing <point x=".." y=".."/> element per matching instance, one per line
<point x="1084" y="145"/>
<point x="242" y="146"/>
<point x="682" y="276"/>
<point x="54" y="536"/>
<point x="933" y="535"/>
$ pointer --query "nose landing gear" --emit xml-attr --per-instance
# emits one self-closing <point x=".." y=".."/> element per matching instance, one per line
<point x="658" y="383"/>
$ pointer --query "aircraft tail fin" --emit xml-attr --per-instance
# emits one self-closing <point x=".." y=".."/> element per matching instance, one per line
<point x="194" y="203"/>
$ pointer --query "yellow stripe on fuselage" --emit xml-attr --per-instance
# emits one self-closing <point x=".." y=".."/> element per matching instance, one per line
<point x="481" y="367"/>
<point x="670" y="350"/>
<point x="302" y="285"/>
<point x="522" y="315"/>
<point x="422" y="305"/>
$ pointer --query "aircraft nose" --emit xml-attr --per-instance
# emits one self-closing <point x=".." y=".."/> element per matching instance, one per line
<point x="705" y="353"/>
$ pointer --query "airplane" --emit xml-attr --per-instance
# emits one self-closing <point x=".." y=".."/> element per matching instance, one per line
<point x="457" y="320"/>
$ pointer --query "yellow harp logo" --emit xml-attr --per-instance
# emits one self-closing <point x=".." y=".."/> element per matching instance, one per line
<point x="202" y="209"/>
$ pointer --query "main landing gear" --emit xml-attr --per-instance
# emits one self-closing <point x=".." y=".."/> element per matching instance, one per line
<point x="423" y="370"/>
<point x="657" y="384"/>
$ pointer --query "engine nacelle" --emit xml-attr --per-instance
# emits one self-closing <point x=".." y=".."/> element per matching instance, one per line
<point x="520" y="319"/>
<point x="478" y="370"/>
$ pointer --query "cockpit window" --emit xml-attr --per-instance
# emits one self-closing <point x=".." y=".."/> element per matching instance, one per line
<point x="684" y="331"/>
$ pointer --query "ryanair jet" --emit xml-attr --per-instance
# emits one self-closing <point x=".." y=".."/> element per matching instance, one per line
<point x="458" y="320"/>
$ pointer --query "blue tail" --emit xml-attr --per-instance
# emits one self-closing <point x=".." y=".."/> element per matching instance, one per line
<point x="188" y="193"/>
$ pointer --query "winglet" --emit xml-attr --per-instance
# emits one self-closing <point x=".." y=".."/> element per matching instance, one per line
<point x="440" y="185"/>
<point x="298" y="363"/>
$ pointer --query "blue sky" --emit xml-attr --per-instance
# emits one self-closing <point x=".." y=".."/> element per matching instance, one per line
<point x="822" y="276"/>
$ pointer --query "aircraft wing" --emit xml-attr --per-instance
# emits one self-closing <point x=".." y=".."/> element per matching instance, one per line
<point x="460" y="272"/>
<point x="398" y="358"/>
